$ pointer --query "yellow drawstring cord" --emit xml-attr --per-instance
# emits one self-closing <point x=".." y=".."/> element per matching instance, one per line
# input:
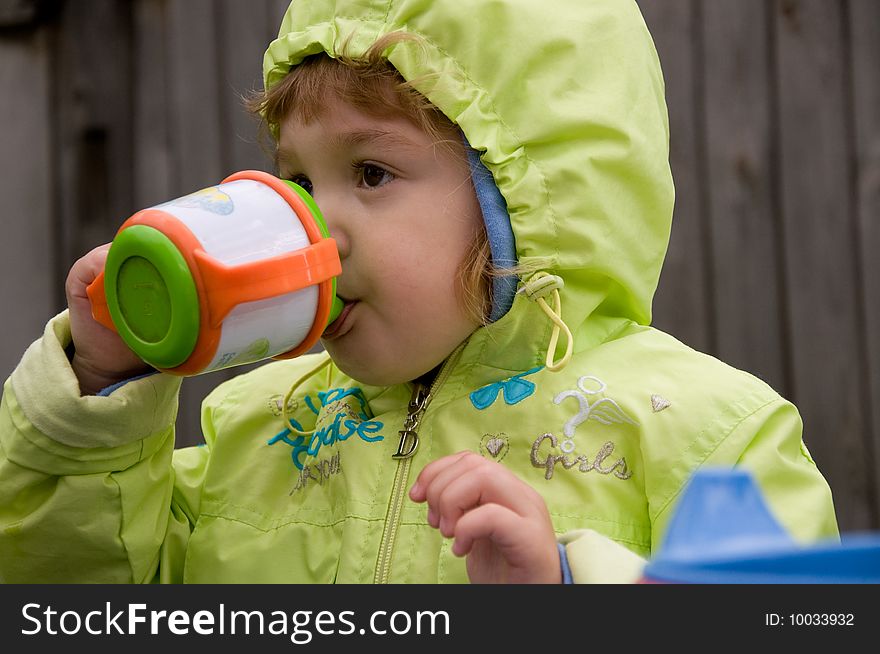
<point x="539" y="286"/>
<point x="285" y="415"/>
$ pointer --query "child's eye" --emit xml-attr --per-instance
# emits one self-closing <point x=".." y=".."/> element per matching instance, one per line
<point x="303" y="181"/>
<point x="372" y="176"/>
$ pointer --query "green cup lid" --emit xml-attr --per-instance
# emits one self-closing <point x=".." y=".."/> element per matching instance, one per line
<point x="312" y="205"/>
<point x="152" y="296"/>
<point x="337" y="305"/>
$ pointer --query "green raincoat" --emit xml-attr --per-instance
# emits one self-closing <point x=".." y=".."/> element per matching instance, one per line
<point x="566" y="103"/>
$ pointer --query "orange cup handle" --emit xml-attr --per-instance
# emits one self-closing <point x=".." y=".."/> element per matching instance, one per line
<point x="98" y="299"/>
<point x="228" y="286"/>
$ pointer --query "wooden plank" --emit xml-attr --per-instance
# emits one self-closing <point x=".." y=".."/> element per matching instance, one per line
<point x="680" y="305"/>
<point x="244" y="32"/>
<point x="234" y="39"/>
<point x="865" y="31"/>
<point x="93" y="115"/>
<point x="160" y="155"/>
<point x="194" y="72"/>
<point x="215" y="50"/>
<point x="745" y="293"/>
<point x="821" y="271"/>
<point x="18" y="13"/>
<point x="197" y="151"/>
<point x="153" y="156"/>
<point x="243" y="36"/>
<point x="31" y="288"/>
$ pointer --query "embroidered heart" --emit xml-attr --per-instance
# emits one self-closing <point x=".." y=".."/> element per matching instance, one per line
<point x="494" y="445"/>
<point x="658" y="403"/>
<point x="275" y="404"/>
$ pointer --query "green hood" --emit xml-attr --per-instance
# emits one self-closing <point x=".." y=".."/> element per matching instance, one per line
<point x="565" y="101"/>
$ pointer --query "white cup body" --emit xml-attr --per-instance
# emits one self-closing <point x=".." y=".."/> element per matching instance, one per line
<point x="240" y="222"/>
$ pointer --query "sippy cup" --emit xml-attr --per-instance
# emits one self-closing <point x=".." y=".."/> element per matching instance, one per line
<point x="233" y="274"/>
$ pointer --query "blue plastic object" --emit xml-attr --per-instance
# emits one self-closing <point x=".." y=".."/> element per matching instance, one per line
<point x="723" y="533"/>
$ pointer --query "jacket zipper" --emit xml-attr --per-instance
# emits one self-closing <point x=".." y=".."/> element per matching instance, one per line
<point x="409" y="441"/>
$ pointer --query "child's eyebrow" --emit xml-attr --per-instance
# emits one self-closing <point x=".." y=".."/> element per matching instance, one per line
<point x="379" y="137"/>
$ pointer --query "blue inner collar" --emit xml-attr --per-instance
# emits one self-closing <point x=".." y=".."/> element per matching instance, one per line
<point x="501" y="240"/>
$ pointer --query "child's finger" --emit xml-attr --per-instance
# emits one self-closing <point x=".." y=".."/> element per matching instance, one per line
<point x="491" y="521"/>
<point x="480" y="485"/>
<point x="85" y="270"/>
<point x="446" y="476"/>
<point x="429" y="472"/>
<point x="441" y="480"/>
<point x="419" y="490"/>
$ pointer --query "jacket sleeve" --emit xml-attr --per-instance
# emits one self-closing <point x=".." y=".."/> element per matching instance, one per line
<point x="88" y="493"/>
<point x="767" y="442"/>
<point x="596" y="559"/>
<point x="764" y="437"/>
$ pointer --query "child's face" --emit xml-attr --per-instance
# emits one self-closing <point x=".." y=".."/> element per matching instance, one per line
<point x="404" y="213"/>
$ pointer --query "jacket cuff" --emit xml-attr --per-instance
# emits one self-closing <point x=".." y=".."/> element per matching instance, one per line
<point x="563" y="563"/>
<point x="104" y="392"/>
<point x="596" y="559"/>
<point x="43" y="402"/>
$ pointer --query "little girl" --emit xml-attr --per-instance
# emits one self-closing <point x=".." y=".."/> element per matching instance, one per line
<point x="492" y="405"/>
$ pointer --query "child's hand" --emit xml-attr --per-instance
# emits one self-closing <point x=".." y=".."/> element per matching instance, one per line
<point x="101" y="357"/>
<point x="498" y="521"/>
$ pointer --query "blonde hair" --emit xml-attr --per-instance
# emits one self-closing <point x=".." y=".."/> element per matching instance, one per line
<point x="372" y="85"/>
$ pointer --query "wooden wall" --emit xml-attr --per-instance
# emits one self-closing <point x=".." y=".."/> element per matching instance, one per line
<point x="109" y="106"/>
<point x="775" y="120"/>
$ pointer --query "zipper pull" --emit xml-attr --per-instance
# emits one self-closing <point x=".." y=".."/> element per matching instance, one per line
<point x="409" y="437"/>
<point x="409" y="441"/>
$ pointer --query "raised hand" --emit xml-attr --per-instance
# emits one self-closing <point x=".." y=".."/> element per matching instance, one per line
<point x="497" y="520"/>
<point x="101" y="357"/>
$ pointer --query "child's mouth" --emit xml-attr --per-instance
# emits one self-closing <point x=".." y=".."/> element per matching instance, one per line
<point x="340" y="326"/>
